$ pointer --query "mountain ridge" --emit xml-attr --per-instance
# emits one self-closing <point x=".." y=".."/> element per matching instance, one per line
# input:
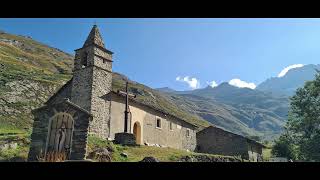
<point x="292" y="80"/>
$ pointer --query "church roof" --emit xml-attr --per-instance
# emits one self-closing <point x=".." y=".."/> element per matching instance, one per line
<point x="65" y="100"/>
<point x="94" y="38"/>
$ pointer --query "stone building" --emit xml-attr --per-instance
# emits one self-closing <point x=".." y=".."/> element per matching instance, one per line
<point x="214" y="140"/>
<point x="87" y="105"/>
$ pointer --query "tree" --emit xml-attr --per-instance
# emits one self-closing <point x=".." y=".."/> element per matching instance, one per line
<point x="284" y="147"/>
<point x="301" y="138"/>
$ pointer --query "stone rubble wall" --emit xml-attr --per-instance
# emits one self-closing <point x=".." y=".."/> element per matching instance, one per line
<point x="41" y="127"/>
<point x="217" y="141"/>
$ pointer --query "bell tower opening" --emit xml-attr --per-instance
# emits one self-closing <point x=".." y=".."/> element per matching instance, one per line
<point x="84" y="60"/>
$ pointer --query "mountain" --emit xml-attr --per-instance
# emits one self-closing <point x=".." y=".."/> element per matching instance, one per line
<point x="30" y="72"/>
<point x="262" y="111"/>
<point x="165" y="89"/>
<point x="292" y="80"/>
<point x="241" y="110"/>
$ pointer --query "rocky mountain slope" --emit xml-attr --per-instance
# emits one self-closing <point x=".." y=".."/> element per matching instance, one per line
<point x="241" y="110"/>
<point x="29" y="73"/>
<point x="262" y="111"/>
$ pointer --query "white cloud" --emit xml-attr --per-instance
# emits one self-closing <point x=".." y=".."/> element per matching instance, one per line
<point x="212" y="84"/>
<point x="241" y="84"/>
<point x="192" y="82"/>
<point x="285" y="70"/>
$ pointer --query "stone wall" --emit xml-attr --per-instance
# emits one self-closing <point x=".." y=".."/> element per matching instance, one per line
<point x="82" y="88"/>
<point x="208" y="158"/>
<point x="100" y="108"/>
<point x="91" y="83"/>
<point x="150" y="134"/>
<point x="41" y="126"/>
<point x="63" y="93"/>
<point x="217" y="141"/>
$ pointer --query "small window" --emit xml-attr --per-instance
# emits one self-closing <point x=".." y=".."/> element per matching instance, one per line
<point x="158" y="123"/>
<point x="188" y="133"/>
<point x="170" y="126"/>
<point x="84" y="60"/>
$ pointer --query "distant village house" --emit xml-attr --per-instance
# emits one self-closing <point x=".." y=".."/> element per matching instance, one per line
<point x="215" y="140"/>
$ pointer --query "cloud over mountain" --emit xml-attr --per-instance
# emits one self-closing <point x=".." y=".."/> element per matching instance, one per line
<point x="212" y="84"/>
<point x="192" y="82"/>
<point x="241" y="84"/>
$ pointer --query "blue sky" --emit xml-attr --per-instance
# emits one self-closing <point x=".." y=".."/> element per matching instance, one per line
<point x="162" y="52"/>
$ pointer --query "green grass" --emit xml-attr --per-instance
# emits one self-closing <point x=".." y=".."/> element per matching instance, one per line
<point x="7" y="129"/>
<point x="17" y="122"/>
<point x="21" y="152"/>
<point x="266" y="154"/>
<point x="137" y="153"/>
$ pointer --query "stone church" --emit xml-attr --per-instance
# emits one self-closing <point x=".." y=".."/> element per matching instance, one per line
<point x="87" y="105"/>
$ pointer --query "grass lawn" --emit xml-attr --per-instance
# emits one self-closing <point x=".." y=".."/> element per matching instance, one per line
<point x="137" y="153"/>
<point x="8" y="129"/>
<point x="266" y="154"/>
<point x="22" y="149"/>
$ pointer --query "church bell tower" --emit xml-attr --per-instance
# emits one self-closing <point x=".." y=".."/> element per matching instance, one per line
<point x="92" y="79"/>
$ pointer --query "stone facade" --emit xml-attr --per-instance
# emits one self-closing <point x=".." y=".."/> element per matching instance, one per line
<point x="41" y="123"/>
<point x="92" y="79"/>
<point x="214" y="140"/>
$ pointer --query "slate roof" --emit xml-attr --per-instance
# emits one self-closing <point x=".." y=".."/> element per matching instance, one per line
<point x="94" y="38"/>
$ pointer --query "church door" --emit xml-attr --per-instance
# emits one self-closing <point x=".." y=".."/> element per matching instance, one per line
<point x="60" y="135"/>
<point x="137" y="132"/>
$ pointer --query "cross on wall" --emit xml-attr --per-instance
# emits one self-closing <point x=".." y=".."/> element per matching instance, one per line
<point x="126" y="112"/>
